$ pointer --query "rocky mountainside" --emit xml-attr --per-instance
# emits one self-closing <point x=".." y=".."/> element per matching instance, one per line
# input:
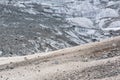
<point x="32" y="26"/>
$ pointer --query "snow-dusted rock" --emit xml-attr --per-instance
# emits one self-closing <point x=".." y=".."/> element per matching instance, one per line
<point x="105" y="0"/>
<point x="101" y="23"/>
<point x="81" y="21"/>
<point x="106" y="13"/>
<point x="113" y="3"/>
<point x="96" y="2"/>
<point x="114" y="26"/>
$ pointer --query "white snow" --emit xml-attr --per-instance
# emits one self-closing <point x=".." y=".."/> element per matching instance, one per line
<point x="90" y="32"/>
<point x="31" y="11"/>
<point x="19" y="4"/>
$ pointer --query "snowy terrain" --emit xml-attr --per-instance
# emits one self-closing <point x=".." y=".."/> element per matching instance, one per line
<point x="32" y="26"/>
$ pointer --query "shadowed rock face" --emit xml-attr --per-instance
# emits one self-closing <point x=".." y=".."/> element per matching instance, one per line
<point x="30" y="26"/>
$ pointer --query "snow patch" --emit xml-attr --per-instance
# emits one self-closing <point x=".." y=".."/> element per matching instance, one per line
<point x="106" y="13"/>
<point x="81" y="21"/>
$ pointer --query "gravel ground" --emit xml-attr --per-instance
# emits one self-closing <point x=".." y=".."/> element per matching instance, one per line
<point x="94" y="61"/>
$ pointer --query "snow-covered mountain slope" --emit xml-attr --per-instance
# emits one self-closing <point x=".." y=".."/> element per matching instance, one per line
<point x="30" y="26"/>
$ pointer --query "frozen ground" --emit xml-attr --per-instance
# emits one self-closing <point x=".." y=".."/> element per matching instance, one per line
<point x="32" y="26"/>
